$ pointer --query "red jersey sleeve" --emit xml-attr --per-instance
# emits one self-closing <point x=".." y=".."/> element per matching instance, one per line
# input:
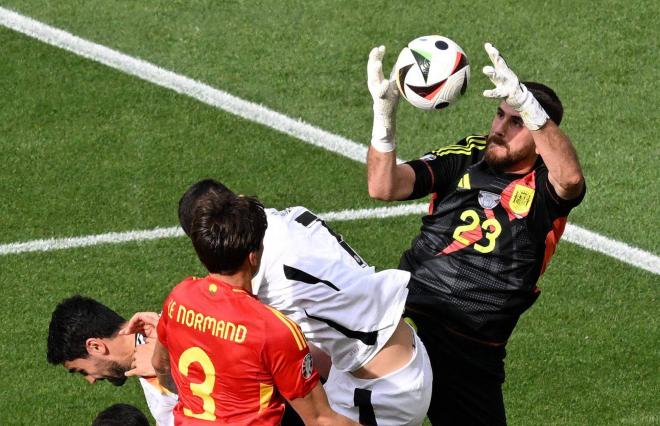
<point x="161" y="328"/>
<point x="287" y="356"/>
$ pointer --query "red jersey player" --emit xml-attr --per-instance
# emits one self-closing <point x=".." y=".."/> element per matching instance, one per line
<point x="232" y="359"/>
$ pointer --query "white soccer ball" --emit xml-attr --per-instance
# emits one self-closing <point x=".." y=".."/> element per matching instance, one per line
<point x="432" y="72"/>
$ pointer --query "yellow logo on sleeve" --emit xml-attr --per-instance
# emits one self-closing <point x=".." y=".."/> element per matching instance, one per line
<point x="464" y="183"/>
<point x="521" y="199"/>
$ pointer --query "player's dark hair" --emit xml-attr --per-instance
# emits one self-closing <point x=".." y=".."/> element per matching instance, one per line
<point x="226" y="228"/>
<point x="548" y="100"/>
<point x="121" y="415"/>
<point x="190" y="197"/>
<point x="75" y="320"/>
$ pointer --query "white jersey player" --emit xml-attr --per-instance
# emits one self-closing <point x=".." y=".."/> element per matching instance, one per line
<point x="160" y="401"/>
<point x="380" y="370"/>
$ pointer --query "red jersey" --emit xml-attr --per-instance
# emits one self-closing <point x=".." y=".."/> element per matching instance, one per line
<point x="233" y="359"/>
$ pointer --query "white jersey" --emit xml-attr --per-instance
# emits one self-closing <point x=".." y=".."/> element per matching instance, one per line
<point x="160" y="401"/>
<point x="343" y="305"/>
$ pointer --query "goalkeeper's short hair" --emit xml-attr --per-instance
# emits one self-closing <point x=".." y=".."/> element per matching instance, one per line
<point x="548" y="100"/>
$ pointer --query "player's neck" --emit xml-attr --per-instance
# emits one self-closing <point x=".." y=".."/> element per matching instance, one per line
<point x="522" y="167"/>
<point x="240" y="279"/>
<point x="123" y="348"/>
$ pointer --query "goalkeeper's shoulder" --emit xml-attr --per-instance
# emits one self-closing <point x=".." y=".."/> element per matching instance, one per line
<point x="469" y="145"/>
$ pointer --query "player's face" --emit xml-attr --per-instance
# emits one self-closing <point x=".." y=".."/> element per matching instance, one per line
<point x="94" y="369"/>
<point x="510" y="146"/>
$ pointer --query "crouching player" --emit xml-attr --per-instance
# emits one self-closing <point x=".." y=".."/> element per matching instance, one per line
<point x="233" y="359"/>
<point x="84" y="337"/>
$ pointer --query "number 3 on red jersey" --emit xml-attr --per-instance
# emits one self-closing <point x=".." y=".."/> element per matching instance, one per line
<point x="202" y="390"/>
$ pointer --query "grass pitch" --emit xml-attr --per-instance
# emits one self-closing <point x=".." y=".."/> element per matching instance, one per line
<point x="87" y="150"/>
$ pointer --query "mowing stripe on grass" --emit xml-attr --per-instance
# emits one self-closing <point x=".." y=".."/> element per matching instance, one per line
<point x="253" y="112"/>
<point x="573" y="233"/>
<point x="184" y="85"/>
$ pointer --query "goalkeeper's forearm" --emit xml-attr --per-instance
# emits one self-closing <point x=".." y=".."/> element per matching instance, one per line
<point x="387" y="180"/>
<point x="560" y="157"/>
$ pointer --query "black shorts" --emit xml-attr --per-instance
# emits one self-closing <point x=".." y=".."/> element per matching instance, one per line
<point x="467" y="378"/>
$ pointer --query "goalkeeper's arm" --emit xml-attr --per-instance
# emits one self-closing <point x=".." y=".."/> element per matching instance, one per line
<point x="559" y="156"/>
<point x="385" y="179"/>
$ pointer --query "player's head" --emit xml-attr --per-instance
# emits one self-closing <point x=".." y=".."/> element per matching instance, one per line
<point x="121" y="415"/>
<point x="548" y="100"/>
<point x="190" y="197"/>
<point x="228" y="229"/>
<point x="510" y="145"/>
<point x="82" y="336"/>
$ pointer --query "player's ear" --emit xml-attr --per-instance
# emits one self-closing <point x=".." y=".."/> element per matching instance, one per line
<point x="253" y="258"/>
<point x="96" y="346"/>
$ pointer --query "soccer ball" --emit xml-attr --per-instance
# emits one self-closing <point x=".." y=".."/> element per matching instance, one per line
<point x="432" y="72"/>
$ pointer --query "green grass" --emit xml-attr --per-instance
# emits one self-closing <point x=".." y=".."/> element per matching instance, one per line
<point x="86" y="150"/>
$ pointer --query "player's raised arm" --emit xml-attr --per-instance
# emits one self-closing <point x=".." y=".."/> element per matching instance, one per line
<point x="558" y="153"/>
<point x="559" y="156"/>
<point x="386" y="180"/>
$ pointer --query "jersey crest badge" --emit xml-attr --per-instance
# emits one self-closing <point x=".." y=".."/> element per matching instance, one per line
<point x="521" y="199"/>
<point x="488" y="200"/>
<point x="307" y="367"/>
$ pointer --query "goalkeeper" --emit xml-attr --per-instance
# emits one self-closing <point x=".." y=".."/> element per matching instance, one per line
<point x="499" y="206"/>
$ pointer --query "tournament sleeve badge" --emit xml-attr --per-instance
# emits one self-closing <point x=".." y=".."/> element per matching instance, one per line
<point x="307" y="367"/>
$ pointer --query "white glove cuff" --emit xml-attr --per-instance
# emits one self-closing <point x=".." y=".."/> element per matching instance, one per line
<point x="382" y="133"/>
<point x="382" y="138"/>
<point x="531" y="112"/>
<point x="383" y="146"/>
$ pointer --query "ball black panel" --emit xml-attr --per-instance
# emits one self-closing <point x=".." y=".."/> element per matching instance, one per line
<point x="403" y="71"/>
<point x="423" y="63"/>
<point x="424" y="91"/>
<point x="464" y="86"/>
<point x="462" y="63"/>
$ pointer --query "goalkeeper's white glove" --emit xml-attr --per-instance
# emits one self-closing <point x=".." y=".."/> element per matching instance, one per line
<point x="386" y="99"/>
<point x="508" y="86"/>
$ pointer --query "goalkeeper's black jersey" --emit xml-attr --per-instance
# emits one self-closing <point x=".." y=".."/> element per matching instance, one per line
<point x="486" y="241"/>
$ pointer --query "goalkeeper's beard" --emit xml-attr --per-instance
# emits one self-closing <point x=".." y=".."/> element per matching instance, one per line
<point x="503" y="162"/>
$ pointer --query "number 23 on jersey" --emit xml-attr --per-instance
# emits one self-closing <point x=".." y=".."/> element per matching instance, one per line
<point x="473" y="231"/>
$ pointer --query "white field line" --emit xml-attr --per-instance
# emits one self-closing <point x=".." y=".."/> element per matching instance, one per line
<point x="573" y="233"/>
<point x="184" y="85"/>
<point x="175" y="231"/>
<point x="259" y="114"/>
